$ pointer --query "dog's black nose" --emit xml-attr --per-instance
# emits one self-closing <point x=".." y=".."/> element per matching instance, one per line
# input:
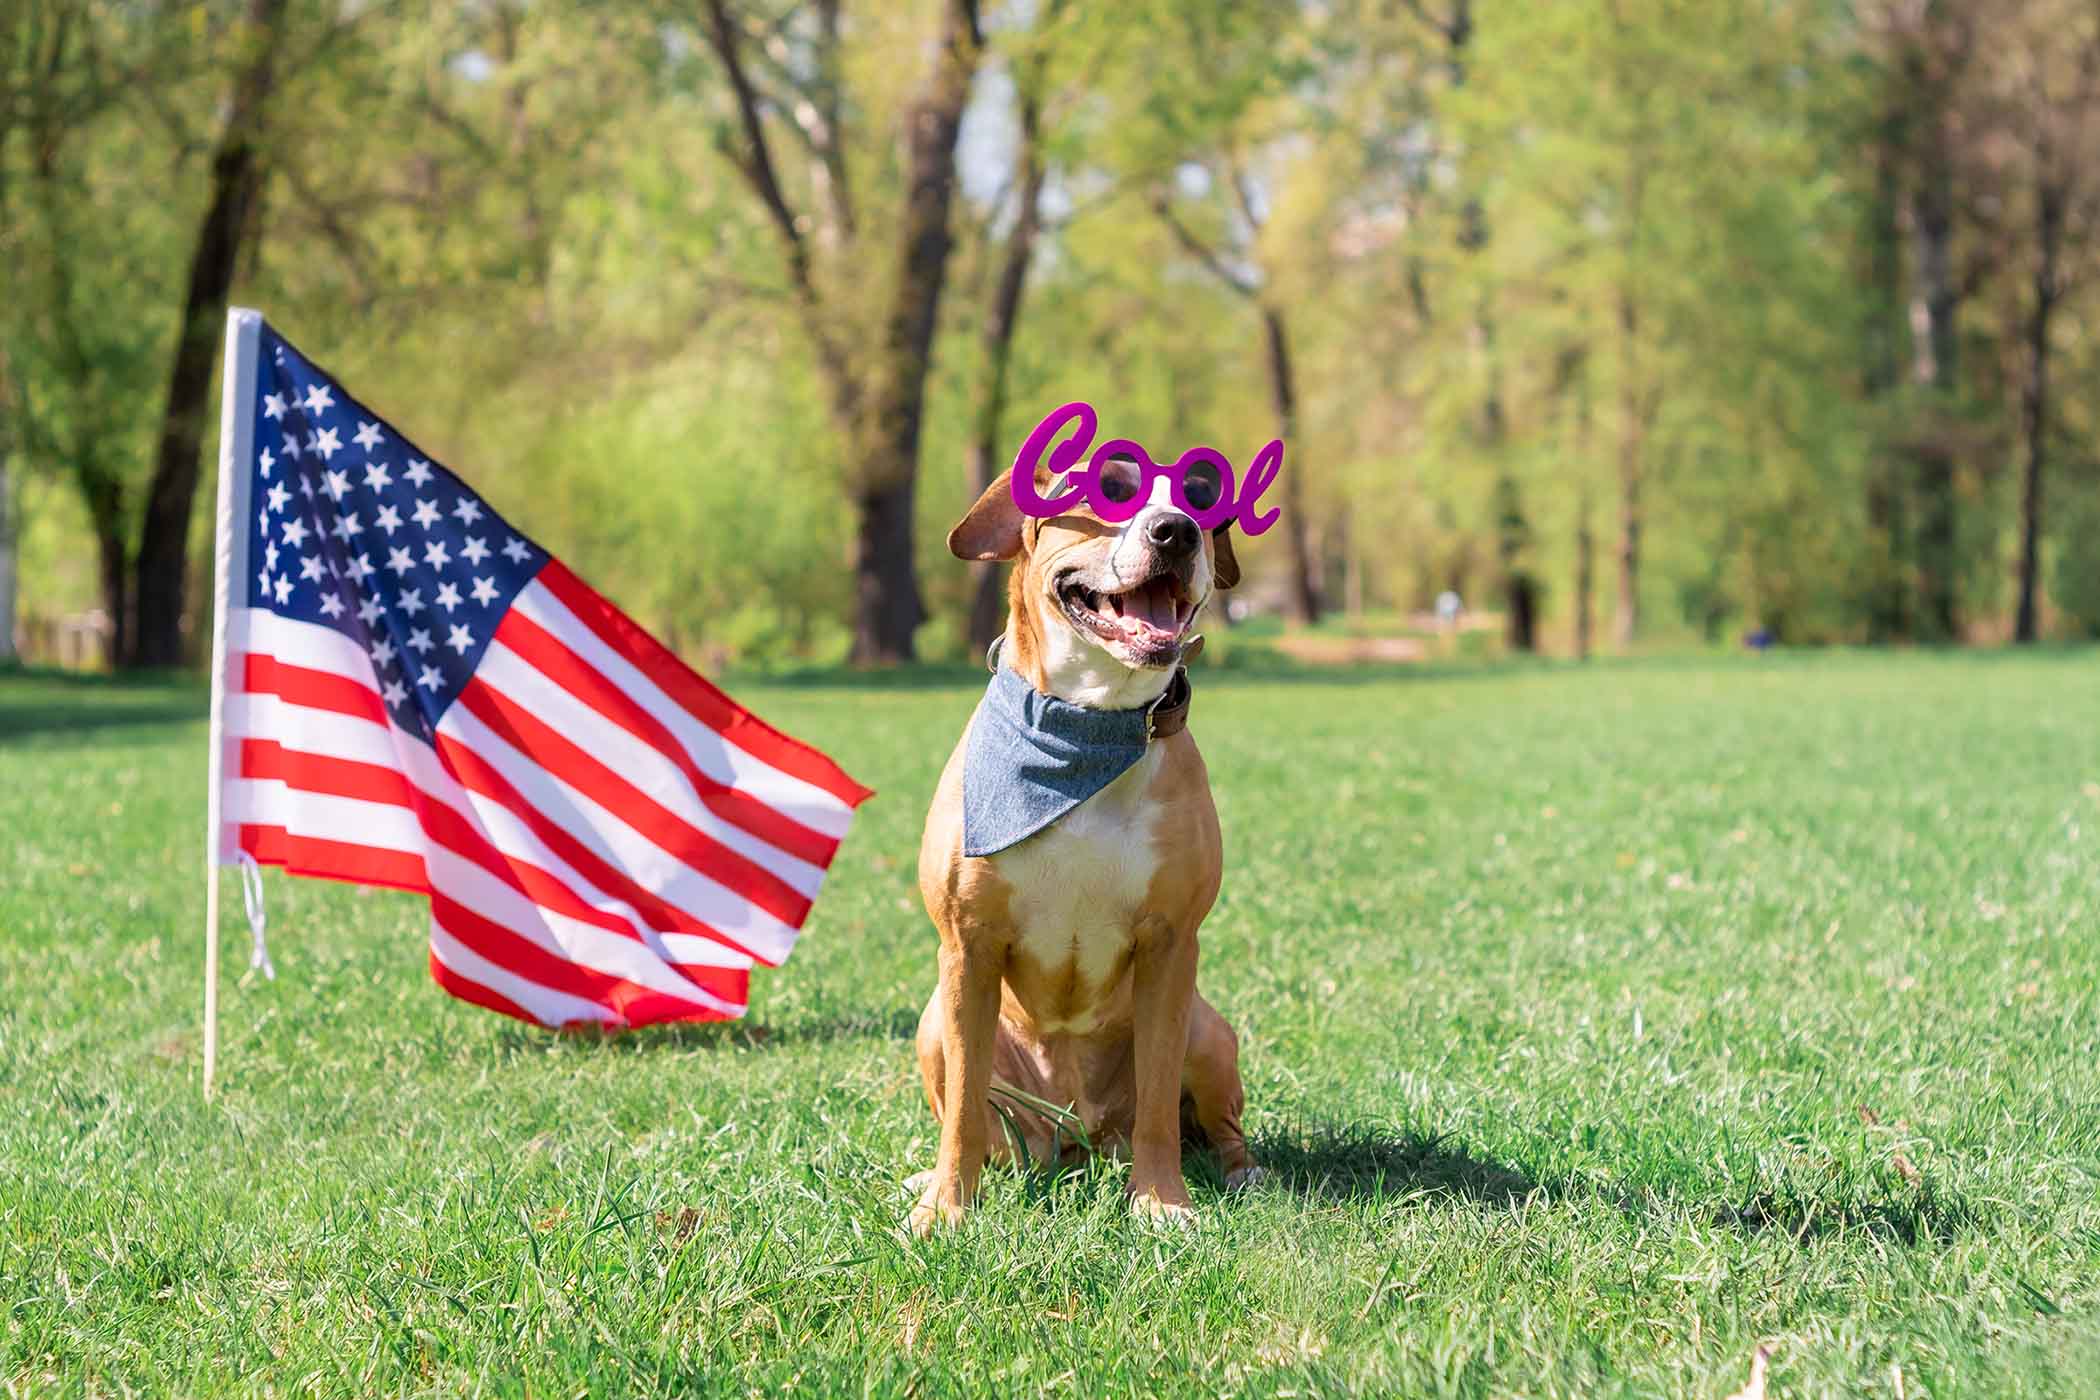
<point x="1173" y="534"/>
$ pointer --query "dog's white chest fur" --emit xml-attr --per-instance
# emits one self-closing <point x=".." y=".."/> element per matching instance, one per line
<point x="1079" y="885"/>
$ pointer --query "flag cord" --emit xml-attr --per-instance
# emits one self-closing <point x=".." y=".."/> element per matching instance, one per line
<point x="252" y="897"/>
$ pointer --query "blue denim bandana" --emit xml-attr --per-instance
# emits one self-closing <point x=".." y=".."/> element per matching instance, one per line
<point x="1032" y="757"/>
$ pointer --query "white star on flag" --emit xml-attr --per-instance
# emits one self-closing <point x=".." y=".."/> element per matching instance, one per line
<point x="383" y="652"/>
<point x="367" y="435"/>
<point x="360" y="569"/>
<point x="325" y="443"/>
<point x="425" y="514"/>
<point x="515" y="550"/>
<point x="292" y="448"/>
<point x="418" y="472"/>
<point x="459" y="639"/>
<point x="295" y="532"/>
<point x="318" y="397"/>
<point x="419" y="638"/>
<point x="411" y="601"/>
<point x="336" y="484"/>
<point x="269" y="557"/>
<point x="388" y="519"/>
<point x="331" y="605"/>
<point x="474" y="550"/>
<point x="399" y="561"/>
<point x="467" y="511"/>
<point x="484" y="591"/>
<point x="278" y="496"/>
<point x="369" y="611"/>
<point x="310" y="568"/>
<point x="430" y="679"/>
<point x="283" y="587"/>
<point x="377" y="477"/>
<point x="273" y="408"/>
<point x="436" y="555"/>
<point x="395" y="692"/>
<point x="267" y="461"/>
<point x="447" y="596"/>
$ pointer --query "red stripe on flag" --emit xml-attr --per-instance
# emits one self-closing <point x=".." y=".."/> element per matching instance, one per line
<point x="481" y="996"/>
<point x="546" y="653"/>
<point x="317" y="690"/>
<point x="570" y="764"/>
<point x="311" y="772"/>
<point x="334" y="860"/>
<point x="693" y="693"/>
<point x="477" y="775"/>
<point x="519" y="955"/>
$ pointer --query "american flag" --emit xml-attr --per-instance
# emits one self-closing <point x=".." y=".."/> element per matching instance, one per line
<point x="417" y="695"/>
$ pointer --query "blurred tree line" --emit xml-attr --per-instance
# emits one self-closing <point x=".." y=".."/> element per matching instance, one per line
<point x="1624" y="318"/>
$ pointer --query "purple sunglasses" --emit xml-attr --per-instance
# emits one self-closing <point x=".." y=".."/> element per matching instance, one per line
<point x="1117" y="480"/>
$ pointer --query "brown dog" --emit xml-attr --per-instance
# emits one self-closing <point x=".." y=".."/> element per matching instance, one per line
<point x="1068" y="959"/>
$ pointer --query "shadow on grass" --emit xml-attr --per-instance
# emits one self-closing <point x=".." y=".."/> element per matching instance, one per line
<point x="1363" y="1163"/>
<point x="38" y="701"/>
<point x="1353" y="1163"/>
<point x="895" y="1024"/>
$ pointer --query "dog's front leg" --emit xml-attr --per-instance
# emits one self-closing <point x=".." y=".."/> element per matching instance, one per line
<point x="969" y="991"/>
<point x="1163" y="984"/>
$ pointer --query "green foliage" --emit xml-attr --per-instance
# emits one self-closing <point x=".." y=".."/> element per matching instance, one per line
<point x="1644" y="233"/>
<point x="1596" y="1023"/>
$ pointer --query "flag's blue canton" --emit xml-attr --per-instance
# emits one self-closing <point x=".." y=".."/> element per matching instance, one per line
<point x="354" y="529"/>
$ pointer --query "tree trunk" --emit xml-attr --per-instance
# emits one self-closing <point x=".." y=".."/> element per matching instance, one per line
<point x="7" y="552"/>
<point x="1887" y="600"/>
<point x="105" y="505"/>
<point x="1633" y="432"/>
<point x="1303" y="601"/>
<point x="988" y="592"/>
<point x="236" y="179"/>
<point x="1585" y="576"/>
<point x="1933" y="219"/>
<point x="2034" y="400"/>
<point x="888" y="608"/>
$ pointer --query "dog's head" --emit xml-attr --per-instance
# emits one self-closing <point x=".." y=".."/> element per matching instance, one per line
<point x="1087" y="590"/>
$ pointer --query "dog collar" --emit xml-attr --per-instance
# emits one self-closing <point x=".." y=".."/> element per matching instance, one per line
<point x="1030" y="758"/>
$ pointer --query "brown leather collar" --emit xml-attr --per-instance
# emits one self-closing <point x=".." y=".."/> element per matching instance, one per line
<point x="1169" y="714"/>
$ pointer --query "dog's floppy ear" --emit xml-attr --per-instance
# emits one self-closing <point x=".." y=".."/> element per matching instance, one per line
<point x="991" y="529"/>
<point x="1224" y="565"/>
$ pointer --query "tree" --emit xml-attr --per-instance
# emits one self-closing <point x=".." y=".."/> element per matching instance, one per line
<point x="2055" y="107"/>
<point x="1003" y="313"/>
<point x="229" y="218"/>
<point x="877" y="385"/>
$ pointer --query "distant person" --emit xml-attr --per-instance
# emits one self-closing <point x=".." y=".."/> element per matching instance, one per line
<point x="1448" y="606"/>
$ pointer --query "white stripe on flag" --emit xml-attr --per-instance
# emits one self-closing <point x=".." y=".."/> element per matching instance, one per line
<point x="613" y="841"/>
<point x="638" y="762"/>
<point x="710" y="752"/>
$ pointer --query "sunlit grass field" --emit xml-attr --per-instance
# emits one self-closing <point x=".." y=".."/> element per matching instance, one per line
<point x="1597" y="1024"/>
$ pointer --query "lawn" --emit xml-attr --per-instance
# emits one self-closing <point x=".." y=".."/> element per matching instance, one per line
<point x="1597" y="1024"/>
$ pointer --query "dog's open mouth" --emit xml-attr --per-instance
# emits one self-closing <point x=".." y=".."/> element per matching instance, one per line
<point x="1145" y="617"/>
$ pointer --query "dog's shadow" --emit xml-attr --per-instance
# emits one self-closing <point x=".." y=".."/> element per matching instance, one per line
<point x="1360" y="1163"/>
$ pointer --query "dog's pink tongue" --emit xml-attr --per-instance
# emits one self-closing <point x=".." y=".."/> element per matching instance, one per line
<point x="1152" y="604"/>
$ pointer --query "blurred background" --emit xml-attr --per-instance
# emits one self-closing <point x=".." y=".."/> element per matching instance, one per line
<point x="1634" y="324"/>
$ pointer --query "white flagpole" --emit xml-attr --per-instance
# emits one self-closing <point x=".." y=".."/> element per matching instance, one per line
<point x="230" y="564"/>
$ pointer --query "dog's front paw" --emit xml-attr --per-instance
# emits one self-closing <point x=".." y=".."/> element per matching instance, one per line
<point x="1149" y="1206"/>
<point x="935" y="1210"/>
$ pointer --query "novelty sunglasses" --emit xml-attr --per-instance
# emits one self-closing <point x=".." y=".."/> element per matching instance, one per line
<point x="1119" y="479"/>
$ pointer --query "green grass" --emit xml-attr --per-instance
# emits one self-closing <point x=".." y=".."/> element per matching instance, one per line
<point x="1599" y="1023"/>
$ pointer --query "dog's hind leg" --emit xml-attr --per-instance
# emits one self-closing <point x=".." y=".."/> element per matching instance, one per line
<point x="1211" y="1078"/>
